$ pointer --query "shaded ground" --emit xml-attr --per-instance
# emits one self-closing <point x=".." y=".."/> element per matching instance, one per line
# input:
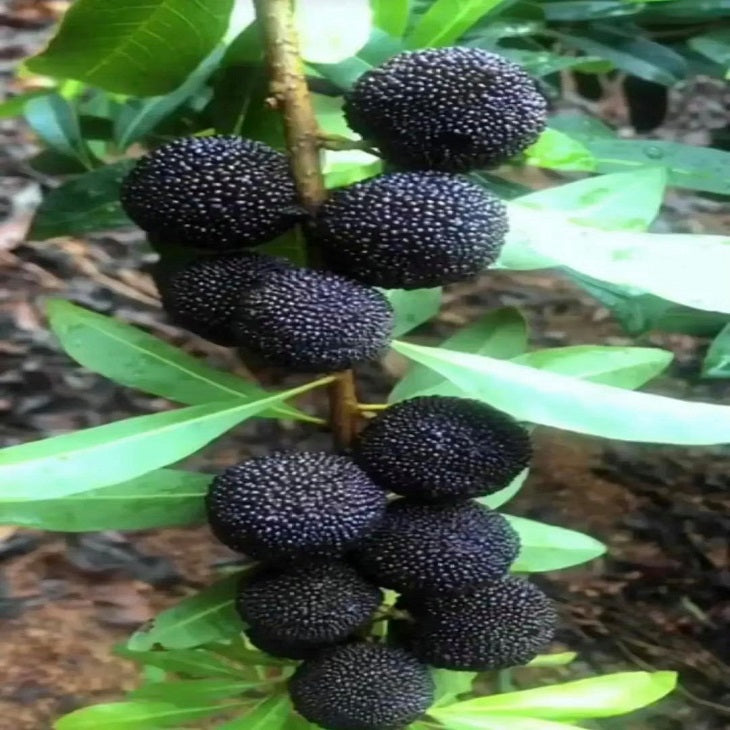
<point x="661" y="599"/>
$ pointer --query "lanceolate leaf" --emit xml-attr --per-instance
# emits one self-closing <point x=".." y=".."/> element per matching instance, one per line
<point x="196" y="663"/>
<point x="163" y="498"/>
<point x="195" y="692"/>
<point x="205" y="617"/>
<point x="413" y="307"/>
<point x="391" y="15"/>
<point x="141" y="715"/>
<point x="504" y="495"/>
<point x="104" y="455"/>
<point x="717" y="361"/>
<point x="500" y="722"/>
<point x="90" y="202"/>
<point x="499" y="333"/>
<point x="447" y="20"/>
<point x="553" y="660"/>
<point x="272" y="714"/>
<point x="569" y="403"/>
<point x="546" y="547"/>
<point x="136" y="359"/>
<point x="125" y="46"/>
<point x="612" y="694"/>
<point x="557" y="151"/>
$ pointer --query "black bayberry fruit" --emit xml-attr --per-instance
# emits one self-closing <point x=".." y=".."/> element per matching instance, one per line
<point x="407" y="230"/>
<point x="442" y="448"/>
<point x="362" y="687"/>
<point x="321" y="602"/>
<point x="282" y="648"/>
<point x="203" y="295"/>
<point x="498" y="625"/>
<point x="438" y="548"/>
<point x="313" y="321"/>
<point x="213" y="193"/>
<point x="294" y="504"/>
<point x="450" y="109"/>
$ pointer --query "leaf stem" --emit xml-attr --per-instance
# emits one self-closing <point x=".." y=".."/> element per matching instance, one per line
<point x="290" y="95"/>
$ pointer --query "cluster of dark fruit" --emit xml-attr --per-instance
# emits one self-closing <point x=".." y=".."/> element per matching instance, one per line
<point x="433" y="114"/>
<point x="327" y="537"/>
<point x="329" y="540"/>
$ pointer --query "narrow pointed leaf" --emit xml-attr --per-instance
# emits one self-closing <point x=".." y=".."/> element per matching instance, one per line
<point x="450" y="684"/>
<point x="553" y="660"/>
<point x="612" y="694"/>
<point x="717" y="360"/>
<point x="547" y="547"/>
<point x="447" y="20"/>
<point x="132" y="357"/>
<point x="163" y="498"/>
<point x="413" y="307"/>
<point x="55" y="121"/>
<point x="194" y="663"/>
<point x="272" y="714"/>
<point x="391" y="15"/>
<point x="103" y="455"/>
<point x="501" y="722"/>
<point x="504" y="495"/>
<point x="194" y="692"/>
<point x="563" y="402"/>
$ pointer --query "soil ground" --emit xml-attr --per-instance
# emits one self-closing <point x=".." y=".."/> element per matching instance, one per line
<point x="660" y="599"/>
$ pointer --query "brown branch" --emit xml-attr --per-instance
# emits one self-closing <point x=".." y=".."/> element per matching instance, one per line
<point x="291" y="96"/>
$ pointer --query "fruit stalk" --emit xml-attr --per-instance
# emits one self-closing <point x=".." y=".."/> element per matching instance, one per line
<point x="290" y="95"/>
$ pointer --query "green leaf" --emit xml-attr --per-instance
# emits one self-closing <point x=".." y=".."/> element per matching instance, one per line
<point x="499" y="333"/>
<point x="413" y="307"/>
<point x="501" y="722"/>
<point x="547" y="547"/>
<point x="139" y="715"/>
<point x="717" y="360"/>
<point x="128" y="47"/>
<point x="556" y="400"/>
<point x="346" y="167"/>
<point x="624" y="367"/>
<point x="698" y="168"/>
<point x="613" y="694"/>
<point x="164" y="498"/>
<point x="88" y="203"/>
<point x="334" y="35"/>
<point x="450" y="684"/>
<point x="104" y="455"/>
<point x="574" y="10"/>
<point x="132" y="357"/>
<point x="497" y="499"/>
<point x="391" y="16"/>
<point x="205" y="617"/>
<point x="629" y="52"/>
<point x="55" y="121"/>
<point x="715" y="45"/>
<point x="15" y="105"/>
<point x="272" y="714"/>
<point x="194" y="692"/>
<point x="557" y="151"/>
<point x="553" y="660"/>
<point x="620" y="201"/>
<point x="447" y="20"/>
<point x="139" y="117"/>
<point x="196" y="663"/>
<point x="684" y="268"/>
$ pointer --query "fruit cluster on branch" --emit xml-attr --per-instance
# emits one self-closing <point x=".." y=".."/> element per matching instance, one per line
<point x="399" y="509"/>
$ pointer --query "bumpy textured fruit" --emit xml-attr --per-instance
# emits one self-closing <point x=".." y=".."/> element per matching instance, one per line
<point x="213" y="193"/>
<point x="321" y="602"/>
<point x="203" y="295"/>
<point x="293" y="504"/>
<point x="407" y="230"/>
<point x="282" y="648"/>
<point x="438" y="548"/>
<point x="313" y="321"/>
<point x="443" y="448"/>
<point x="499" y="625"/>
<point x="362" y="687"/>
<point x="450" y="109"/>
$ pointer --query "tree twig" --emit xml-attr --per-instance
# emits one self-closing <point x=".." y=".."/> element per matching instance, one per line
<point x="291" y="96"/>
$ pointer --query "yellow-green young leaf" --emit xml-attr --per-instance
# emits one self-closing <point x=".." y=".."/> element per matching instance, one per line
<point x="684" y="268"/>
<point x="132" y="357"/>
<point x="391" y="15"/>
<point x="272" y="714"/>
<point x="563" y="402"/>
<point x="334" y="32"/>
<point x="557" y="151"/>
<point x="447" y="20"/>
<point x="626" y="201"/>
<point x="547" y="547"/>
<point x="163" y="498"/>
<point x="504" y="495"/>
<point x="450" y="684"/>
<point x="140" y="715"/>
<point x="103" y="455"/>
<point x="501" y="722"/>
<point x="553" y="660"/>
<point x="205" y="617"/>
<point x="499" y="333"/>
<point x="624" y="367"/>
<point x="130" y="47"/>
<point x="613" y="694"/>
